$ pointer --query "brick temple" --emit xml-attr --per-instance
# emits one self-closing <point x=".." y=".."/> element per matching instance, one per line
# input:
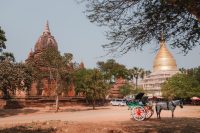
<point x="48" y="88"/>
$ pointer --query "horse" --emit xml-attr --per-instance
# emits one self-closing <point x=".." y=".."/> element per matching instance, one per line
<point x="171" y="105"/>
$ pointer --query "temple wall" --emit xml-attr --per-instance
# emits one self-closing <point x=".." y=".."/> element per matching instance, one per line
<point x="33" y="90"/>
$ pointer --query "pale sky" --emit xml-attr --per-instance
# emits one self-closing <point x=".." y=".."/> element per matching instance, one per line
<point x="24" y="21"/>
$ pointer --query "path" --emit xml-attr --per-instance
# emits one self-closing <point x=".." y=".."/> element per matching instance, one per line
<point x="85" y="114"/>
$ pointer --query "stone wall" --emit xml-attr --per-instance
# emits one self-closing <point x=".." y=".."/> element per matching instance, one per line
<point x="39" y="101"/>
<point x="11" y="104"/>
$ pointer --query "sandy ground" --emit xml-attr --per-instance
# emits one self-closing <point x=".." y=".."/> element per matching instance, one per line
<point x="111" y="119"/>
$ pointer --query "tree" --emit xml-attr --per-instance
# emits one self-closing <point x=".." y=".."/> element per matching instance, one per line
<point x="91" y="84"/>
<point x="136" y="73"/>
<point x="2" y="40"/>
<point x="59" y="68"/>
<point x="125" y="89"/>
<point x="4" y="55"/>
<point x="112" y="70"/>
<point x="24" y="76"/>
<point x="56" y="68"/>
<point x="133" y="24"/>
<point x="147" y="72"/>
<point x="183" y="70"/>
<point x="194" y="72"/>
<point x="14" y="76"/>
<point x="180" y="86"/>
<point x="138" y="90"/>
<point x="197" y="74"/>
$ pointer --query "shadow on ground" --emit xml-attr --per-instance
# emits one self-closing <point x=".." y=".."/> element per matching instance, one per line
<point x="23" y="129"/>
<point x="77" y="109"/>
<point x="86" y="109"/>
<point x="164" y="125"/>
<point x="11" y="112"/>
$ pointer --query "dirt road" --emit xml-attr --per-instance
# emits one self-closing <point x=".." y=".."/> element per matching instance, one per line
<point x="108" y="117"/>
<point x="84" y="114"/>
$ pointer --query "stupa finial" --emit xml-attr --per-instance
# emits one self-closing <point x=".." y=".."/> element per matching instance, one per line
<point x="47" y="27"/>
<point x="162" y="36"/>
<point x="162" y="40"/>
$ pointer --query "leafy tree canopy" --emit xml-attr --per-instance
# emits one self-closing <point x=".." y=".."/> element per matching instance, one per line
<point x="136" y="73"/>
<point x="91" y="84"/>
<point x="14" y="76"/>
<point x="4" y="55"/>
<point x="112" y="69"/>
<point x="181" y="86"/>
<point x="126" y="89"/>
<point x="194" y="72"/>
<point x="52" y="65"/>
<point x="2" y="40"/>
<point x="137" y="90"/>
<point x="135" y="23"/>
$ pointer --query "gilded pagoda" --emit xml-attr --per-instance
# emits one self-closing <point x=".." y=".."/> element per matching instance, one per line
<point x="164" y="67"/>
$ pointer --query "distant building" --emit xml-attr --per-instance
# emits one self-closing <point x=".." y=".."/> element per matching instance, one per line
<point x="115" y="90"/>
<point x="164" y="67"/>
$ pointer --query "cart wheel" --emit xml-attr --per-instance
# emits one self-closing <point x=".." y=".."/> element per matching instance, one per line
<point x="149" y="113"/>
<point x="138" y="113"/>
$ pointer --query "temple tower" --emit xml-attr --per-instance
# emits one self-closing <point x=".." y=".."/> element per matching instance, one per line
<point x="164" y="66"/>
<point x="45" y="41"/>
<point x="164" y="61"/>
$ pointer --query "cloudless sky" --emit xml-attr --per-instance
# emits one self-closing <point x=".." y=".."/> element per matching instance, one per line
<point x="24" y="21"/>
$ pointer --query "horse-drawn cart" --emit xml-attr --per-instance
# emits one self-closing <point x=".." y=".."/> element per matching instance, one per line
<point x="140" y="108"/>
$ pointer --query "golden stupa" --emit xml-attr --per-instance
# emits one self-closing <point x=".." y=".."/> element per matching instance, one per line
<point x="164" y="61"/>
<point x="164" y="67"/>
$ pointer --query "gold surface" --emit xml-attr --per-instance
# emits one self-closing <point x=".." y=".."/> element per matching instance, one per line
<point x="164" y="59"/>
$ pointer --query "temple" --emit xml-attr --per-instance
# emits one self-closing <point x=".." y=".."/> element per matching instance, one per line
<point x="48" y="86"/>
<point x="115" y="89"/>
<point x="164" y="67"/>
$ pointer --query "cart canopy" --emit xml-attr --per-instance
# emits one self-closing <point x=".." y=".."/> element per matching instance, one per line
<point x="139" y="96"/>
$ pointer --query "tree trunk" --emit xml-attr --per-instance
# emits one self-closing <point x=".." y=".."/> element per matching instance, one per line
<point x="86" y="101"/>
<point x="57" y="103"/>
<point x="136" y="82"/>
<point x="5" y="94"/>
<point x="93" y="103"/>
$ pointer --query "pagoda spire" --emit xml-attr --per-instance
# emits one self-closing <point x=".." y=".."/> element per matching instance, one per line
<point x="162" y="40"/>
<point x="46" y="30"/>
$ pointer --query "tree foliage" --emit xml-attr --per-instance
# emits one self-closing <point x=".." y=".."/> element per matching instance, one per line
<point x="112" y="70"/>
<point x="181" y="86"/>
<point x="14" y="76"/>
<point x="126" y="89"/>
<point x="137" y="90"/>
<point x="53" y="66"/>
<point x="194" y="72"/>
<point x="91" y="83"/>
<point x="4" y="55"/>
<point x="135" y="23"/>
<point x="56" y="68"/>
<point x="2" y="40"/>
<point x="136" y="73"/>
